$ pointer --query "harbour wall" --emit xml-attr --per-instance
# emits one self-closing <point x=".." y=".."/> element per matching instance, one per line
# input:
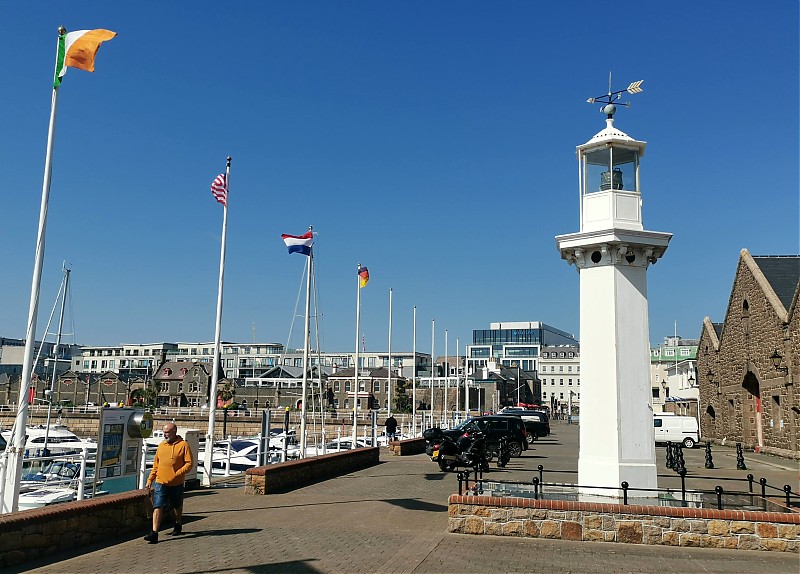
<point x="631" y="524"/>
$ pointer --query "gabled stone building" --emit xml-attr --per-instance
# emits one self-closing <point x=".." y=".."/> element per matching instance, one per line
<point x="748" y="365"/>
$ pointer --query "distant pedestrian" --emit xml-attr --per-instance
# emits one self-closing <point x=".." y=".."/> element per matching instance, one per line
<point x="172" y="461"/>
<point x="391" y="428"/>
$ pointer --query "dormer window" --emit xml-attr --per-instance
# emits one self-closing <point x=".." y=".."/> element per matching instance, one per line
<point x="183" y="371"/>
<point x="167" y="371"/>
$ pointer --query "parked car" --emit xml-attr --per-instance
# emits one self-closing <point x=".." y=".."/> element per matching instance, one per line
<point x="537" y="423"/>
<point x="675" y="428"/>
<point x="495" y="426"/>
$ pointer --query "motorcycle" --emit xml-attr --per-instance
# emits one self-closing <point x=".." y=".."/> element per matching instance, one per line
<point x="469" y="450"/>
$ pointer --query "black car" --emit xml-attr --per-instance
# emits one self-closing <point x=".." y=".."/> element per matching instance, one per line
<point x="537" y="423"/>
<point x="495" y="426"/>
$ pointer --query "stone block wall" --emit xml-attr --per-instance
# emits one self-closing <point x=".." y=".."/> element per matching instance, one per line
<point x="630" y="524"/>
<point x="408" y="446"/>
<point x="295" y="473"/>
<point x="32" y="534"/>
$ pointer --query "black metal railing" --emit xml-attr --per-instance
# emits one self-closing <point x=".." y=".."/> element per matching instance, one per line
<point x="783" y="499"/>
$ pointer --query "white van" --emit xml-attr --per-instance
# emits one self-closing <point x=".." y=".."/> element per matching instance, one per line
<point x="676" y="428"/>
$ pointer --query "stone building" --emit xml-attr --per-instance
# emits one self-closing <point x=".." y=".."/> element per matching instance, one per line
<point x="747" y="365"/>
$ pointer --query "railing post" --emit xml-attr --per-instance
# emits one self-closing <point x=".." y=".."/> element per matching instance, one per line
<point x="718" y="490"/>
<point x="624" y="486"/>
<point x="541" y="473"/>
<point x="763" y="482"/>
<point x="535" y="488"/>
<point x="460" y="483"/>
<point x="788" y="490"/>
<point x="682" y="473"/>
<point x="750" y="479"/>
<point x="466" y="480"/>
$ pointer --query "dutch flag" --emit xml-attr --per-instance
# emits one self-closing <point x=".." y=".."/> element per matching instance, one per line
<point x="299" y="243"/>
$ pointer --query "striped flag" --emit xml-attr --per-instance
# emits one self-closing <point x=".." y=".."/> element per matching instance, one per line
<point x="219" y="189"/>
<point x="363" y="276"/>
<point x="78" y="50"/>
<point x="299" y="243"/>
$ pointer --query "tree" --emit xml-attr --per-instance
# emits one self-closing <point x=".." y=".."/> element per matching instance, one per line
<point x="402" y="403"/>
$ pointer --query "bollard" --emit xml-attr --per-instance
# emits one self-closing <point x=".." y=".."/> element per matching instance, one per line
<point x="788" y="490"/>
<point x="679" y="462"/>
<point x="624" y="486"/>
<point x="709" y="459"/>
<point x="541" y="473"/>
<point x="535" y="488"/>
<point x="718" y="490"/>
<point x="670" y="461"/>
<point x="740" y="457"/>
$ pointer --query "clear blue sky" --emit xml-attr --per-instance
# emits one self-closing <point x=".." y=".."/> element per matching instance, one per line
<point x="433" y="142"/>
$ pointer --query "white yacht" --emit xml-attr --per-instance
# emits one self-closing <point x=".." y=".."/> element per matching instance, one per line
<point x="60" y="441"/>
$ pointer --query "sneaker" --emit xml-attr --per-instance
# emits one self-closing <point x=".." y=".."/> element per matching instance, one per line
<point x="177" y="530"/>
<point x="152" y="538"/>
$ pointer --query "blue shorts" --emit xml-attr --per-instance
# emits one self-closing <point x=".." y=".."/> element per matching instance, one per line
<point x="171" y="494"/>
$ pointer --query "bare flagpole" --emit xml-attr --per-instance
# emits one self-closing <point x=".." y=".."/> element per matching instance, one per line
<point x="16" y="447"/>
<point x="306" y="334"/>
<point x="433" y="362"/>
<point x="389" y="373"/>
<point x="212" y="394"/>
<point x="414" y="377"/>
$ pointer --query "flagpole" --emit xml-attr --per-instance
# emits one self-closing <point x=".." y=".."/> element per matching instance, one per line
<point x="458" y="386"/>
<point x="389" y="375"/>
<point x="414" y="376"/>
<point x="16" y="447"/>
<point x="433" y="362"/>
<point x="355" y="372"/>
<point x="212" y="394"/>
<point x="307" y="328"/>
<point x="446" y="373"/>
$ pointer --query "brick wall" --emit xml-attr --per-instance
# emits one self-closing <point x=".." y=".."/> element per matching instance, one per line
<point x="295" y="473"/>
<point x="408" y="446"/>
<point x="36" y="533"/>
<point x="631" y="524"/>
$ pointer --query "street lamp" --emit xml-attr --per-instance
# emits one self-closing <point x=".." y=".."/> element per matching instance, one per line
<point x="777" y="359"/>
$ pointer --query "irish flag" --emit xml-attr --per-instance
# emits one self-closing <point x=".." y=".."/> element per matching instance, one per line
<point x="299" y="243"/>
<point x="77" y="50"/>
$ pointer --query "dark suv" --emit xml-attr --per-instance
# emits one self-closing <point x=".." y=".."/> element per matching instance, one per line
<point x="495" y="426"/>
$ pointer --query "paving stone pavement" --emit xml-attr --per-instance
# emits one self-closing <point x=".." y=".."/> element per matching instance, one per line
<point x="385" y="519"/>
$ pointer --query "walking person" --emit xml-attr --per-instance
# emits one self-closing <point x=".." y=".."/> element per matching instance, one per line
<point x="391" y="428"/>
<point x="173" y="460"/>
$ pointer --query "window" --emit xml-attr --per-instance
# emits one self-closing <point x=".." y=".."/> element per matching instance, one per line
<point x="569" y="382"/>
<point x="94" y="364"/>
<point x="544" y="395"/>
<point x="376" y="386"/>
<point x="362" y="386"/>
<point x="561" y="368"/>
<point x="561" y="382"/>
<point x="655" y="392"/>
<point x="348" y="386"/>
<point x="571" y="355"/>
<point x="111" y="364"/>
<point x="569" y="368"/>
<point x="686" y="352"/>
<point x="669" y="352"/>
<point x="560" y="395"/>
<point x="337" y="386"/>
<point x="103" y="364"/>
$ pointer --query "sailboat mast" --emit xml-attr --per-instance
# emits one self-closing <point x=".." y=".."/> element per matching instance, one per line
<point x="55" y="357"/>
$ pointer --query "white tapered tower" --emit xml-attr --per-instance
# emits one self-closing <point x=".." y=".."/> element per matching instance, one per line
<point x="612" y="252"/>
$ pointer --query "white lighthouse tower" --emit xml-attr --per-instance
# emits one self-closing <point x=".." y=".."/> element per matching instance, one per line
<point x="612" y="252"/>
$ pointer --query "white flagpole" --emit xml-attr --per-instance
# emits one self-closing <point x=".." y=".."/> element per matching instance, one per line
<point x="306" y="334"/>
<point x="414" y="377"/>
<point x="355" y="371"/>
<point x="433" y="362"/>
<point x="389" y="375"/>
<point x="446" y="374"/>
<point x="458" y="385"/>
<point x="16" y="447"/>
<point x="212" y="394"/>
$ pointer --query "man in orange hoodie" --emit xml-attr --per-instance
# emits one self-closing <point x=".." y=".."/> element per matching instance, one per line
<point x="173" y="460"/>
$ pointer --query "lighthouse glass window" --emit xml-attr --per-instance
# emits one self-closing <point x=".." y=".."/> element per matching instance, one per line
<point x="610" y="168"/>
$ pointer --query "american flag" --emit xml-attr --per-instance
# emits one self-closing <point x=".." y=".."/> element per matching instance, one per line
<point x="219" y="189"/>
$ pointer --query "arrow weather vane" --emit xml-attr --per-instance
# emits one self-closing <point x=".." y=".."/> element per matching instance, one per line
<point x="608" y="99"/>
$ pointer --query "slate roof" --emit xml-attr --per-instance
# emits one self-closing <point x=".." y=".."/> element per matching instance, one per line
<point x="783" y="274"/>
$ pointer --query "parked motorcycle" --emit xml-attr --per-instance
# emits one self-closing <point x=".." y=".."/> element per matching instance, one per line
<point x="469" y="450"/>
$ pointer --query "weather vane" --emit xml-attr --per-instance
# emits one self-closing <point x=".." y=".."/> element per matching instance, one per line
<point x="608" y="99"/>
